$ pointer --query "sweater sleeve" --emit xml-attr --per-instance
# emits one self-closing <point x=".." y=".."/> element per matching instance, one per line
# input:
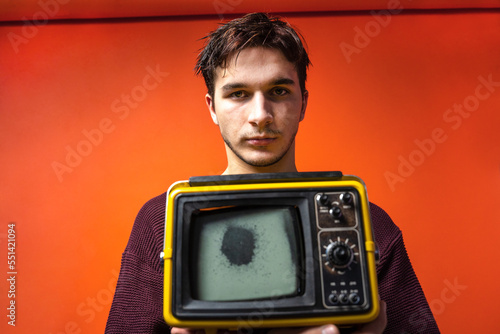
<point x="407" y="308"/>
<point x="138" y="302"/>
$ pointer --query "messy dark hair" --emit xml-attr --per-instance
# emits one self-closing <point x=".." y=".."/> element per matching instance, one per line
<point x="251" y="30"/>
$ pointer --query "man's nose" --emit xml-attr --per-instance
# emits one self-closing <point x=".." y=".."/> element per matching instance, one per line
<point x="260" y="111"/>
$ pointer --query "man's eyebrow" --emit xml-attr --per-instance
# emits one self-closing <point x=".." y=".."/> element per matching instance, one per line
<point x="238" y="85"/>
<point x="283" y="81"/>
<point x="232" y="86"/>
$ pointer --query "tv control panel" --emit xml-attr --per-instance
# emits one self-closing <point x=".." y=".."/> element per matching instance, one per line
<point x="340" y="247"/>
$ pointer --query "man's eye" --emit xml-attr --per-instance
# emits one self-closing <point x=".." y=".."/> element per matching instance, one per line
<point x="280" y="91"/>
<point x="239" y="94"/>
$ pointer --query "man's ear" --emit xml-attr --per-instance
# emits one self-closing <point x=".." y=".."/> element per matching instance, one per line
<point x="211" y="107"/>
<point x="305" y="98"/>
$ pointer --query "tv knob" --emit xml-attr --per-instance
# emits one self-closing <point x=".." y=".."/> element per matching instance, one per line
<point x="323" y="199"/>
<point x="346" y="198"/>
<point x="336" y="212"/>
<point x="339" y="254"/>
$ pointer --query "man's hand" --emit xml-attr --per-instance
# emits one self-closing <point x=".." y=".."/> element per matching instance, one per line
<point x="177" y="330"/>
<point x="377" y="326"/>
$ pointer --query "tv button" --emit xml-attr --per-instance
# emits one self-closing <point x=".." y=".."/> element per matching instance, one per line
<point x="354" y="298"/>
<point x="333" y="298"/>
<point x="343" y="299"/>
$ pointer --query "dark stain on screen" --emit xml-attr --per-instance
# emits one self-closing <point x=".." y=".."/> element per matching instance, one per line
<point x="238" y="245"/>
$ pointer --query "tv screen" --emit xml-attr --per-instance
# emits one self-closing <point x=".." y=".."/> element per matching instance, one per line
<point x="245" y="253"/>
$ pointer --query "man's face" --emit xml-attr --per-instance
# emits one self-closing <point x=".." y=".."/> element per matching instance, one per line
<point x="258" y="105"/>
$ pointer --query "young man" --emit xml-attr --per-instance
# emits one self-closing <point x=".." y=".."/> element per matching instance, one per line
<point x="255" y="70"/>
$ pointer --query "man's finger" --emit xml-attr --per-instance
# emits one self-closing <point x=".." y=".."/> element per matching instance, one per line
<point x="326" y="329"/>
<point x="177" y="330"/>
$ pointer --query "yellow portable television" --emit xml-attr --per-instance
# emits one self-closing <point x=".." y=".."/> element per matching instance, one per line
<point x="269" y="250"/>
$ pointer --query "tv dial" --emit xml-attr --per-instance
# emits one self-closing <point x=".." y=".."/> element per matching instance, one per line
<point x="339" y="254"/>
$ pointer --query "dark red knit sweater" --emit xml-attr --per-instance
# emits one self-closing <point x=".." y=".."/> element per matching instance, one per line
<point x="138" y="302"/>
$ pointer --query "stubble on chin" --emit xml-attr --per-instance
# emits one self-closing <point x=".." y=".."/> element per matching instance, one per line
<point x="260" y="162"/>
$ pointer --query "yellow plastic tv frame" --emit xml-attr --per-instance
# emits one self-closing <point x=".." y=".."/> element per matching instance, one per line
<point x="269" y="250"/>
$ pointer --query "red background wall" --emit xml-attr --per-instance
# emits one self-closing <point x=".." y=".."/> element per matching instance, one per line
<point x="383" y="112"/>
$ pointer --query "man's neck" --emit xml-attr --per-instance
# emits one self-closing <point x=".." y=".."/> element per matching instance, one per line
<point x="254" y="170"/>
<point x="285" y="165"/>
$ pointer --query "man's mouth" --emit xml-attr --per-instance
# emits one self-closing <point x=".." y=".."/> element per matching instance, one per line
<point x="260" y="141"/>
